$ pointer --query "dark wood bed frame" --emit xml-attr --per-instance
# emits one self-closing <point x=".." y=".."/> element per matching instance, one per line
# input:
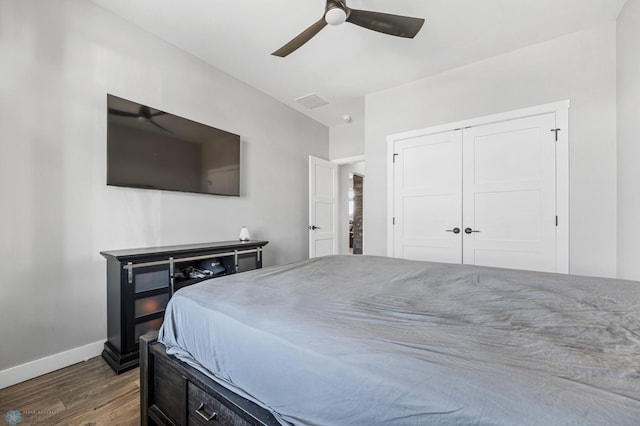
<point x="174" y="393"/>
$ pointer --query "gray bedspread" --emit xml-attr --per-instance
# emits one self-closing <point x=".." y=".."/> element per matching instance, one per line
<point x="364" y="340"/>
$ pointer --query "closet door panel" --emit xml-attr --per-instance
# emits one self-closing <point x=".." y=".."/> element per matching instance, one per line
<point x="509" y="194"/>
<point x="517" y="220"/>
<point x="427" y="198"/>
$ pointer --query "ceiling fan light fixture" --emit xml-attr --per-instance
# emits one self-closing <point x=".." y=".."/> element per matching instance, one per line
<point x="337" y="12"/>
<point x="335" y="16"/>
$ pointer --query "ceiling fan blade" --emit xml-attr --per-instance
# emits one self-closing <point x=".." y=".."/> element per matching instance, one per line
<point x="156" y="124"/>
<point x="401" y="26"/>
<point x="301" y="39"/>
<point x="122" y="113"/>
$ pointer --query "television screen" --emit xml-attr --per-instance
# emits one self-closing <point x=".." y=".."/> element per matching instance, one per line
<point x="149" y="148"/>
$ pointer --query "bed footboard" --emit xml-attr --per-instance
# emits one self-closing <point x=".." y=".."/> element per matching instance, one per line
<point x="174" y="393"/>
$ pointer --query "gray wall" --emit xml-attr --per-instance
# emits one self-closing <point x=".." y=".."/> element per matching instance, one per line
<point x="59" y="60"/>
<point x="346" y="140"/>
<point x="629" y="141"/>
<point x="580" y="67"/>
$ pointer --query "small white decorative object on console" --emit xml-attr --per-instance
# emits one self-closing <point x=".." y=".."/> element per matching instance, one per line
<point x="244" y="234"/>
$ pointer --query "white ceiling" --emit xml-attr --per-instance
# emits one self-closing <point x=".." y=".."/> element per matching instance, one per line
<point x="342" y="64"/>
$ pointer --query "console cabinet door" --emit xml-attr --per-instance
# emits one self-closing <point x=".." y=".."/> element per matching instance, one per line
<point x="249" y="262"/>
<point x="148" y="289"/>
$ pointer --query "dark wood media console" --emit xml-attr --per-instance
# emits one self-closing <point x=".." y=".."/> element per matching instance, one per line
<point x="140" y="283"/>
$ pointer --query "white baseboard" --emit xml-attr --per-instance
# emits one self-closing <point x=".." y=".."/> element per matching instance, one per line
<point x="41" y="366"/>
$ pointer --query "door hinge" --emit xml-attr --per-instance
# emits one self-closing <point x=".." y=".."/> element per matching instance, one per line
<point x="556" y="132"/>
<point x="394" y="157"/>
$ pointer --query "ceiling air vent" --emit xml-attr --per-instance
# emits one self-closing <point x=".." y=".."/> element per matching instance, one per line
<point x="311" y="101"/>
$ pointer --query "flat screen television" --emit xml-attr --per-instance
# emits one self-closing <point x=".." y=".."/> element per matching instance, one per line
<point x="149" y="148"/>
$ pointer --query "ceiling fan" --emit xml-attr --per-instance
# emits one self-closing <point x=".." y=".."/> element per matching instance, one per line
<point x="337" y="12"/>
<point x="144" y="114"/>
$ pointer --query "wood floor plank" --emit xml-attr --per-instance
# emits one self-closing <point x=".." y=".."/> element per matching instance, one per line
<point x="88" y="393"/>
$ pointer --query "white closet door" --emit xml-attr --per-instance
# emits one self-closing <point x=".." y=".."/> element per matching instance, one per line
<point x="509" y="194"/>
<point x="427" y="198"/>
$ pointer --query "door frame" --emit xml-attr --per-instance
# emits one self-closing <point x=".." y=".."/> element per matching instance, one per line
<point x="561" y="110"/>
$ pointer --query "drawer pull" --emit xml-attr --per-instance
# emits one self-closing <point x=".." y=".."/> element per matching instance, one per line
<point x="205" y="416"/>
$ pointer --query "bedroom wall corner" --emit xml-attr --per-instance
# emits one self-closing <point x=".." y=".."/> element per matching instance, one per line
<point x="628" y="112"/>
<point x="346" y="140"/>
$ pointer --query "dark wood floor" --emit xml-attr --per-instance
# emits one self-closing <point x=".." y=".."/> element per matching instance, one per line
<point x="89" y="393"/>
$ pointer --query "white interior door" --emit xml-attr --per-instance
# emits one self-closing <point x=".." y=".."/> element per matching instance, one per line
<point x="427" y="198"/>
<point x="323" y="207"/>
<point x="510" y="194"/>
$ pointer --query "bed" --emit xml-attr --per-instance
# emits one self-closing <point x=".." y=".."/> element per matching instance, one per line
<point x="362" y="340"/>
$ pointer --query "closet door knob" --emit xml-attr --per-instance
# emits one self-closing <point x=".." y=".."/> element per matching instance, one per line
<point x="454" y="230"/>
<point x="469" y="230"/>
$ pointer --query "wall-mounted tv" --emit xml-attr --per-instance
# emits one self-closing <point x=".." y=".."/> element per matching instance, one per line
<point x="149" y="148"/>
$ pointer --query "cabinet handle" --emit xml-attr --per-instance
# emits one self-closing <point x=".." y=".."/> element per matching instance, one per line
<point x="469" y="230"/>
<point x="454" y="230"/>
<point x="205" y="416"/>
<point x="129" y="266"/>
<point x="172" y="279"/>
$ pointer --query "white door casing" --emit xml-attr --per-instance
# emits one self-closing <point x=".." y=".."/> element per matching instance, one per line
<point x="427" y="194"/>
<point x="323" y="207"/>
<point x="517" y="192"/>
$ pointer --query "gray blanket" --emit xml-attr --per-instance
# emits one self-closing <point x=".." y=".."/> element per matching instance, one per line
<point x="363" y="340"/>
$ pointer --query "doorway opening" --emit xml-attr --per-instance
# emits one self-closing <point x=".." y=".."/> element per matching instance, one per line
<point x="355" y="213"/>
<point x="350" y="206"/>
